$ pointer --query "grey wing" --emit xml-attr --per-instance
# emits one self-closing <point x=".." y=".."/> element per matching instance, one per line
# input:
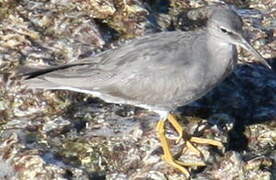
<point x="72" y="75"/>
<point x="161" y="68"/>
<point x="132" y="71"/>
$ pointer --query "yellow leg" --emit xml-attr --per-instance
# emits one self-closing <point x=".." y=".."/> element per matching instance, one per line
<point x="198" y="140"/>
<point x="168" y="157"/>
<point x="206" y="141"/>
<point x="180" y="131"/>
<point x="176" y="126"/>
<point x="191" y="147"/>
<point x="166" y="148"/>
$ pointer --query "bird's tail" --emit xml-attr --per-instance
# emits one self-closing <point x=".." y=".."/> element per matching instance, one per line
<point x="28" y="72"/>
<point x="34" y="77"/>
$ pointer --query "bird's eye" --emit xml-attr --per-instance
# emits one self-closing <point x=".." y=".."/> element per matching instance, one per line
<point x="226" y="31"/>
<point x="223" y="30"/>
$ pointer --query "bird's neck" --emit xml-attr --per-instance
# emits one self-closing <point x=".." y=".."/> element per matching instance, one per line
<point x="220" y="49"/>
<point x="222" y="54"/>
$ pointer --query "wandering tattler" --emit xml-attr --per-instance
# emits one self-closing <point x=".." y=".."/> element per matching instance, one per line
<point x="159" y="72"/>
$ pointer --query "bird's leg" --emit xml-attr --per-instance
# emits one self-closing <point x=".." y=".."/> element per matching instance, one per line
<point x="206" y="141"/>
<point x="168" y="157"/>
<point x="180" y="131"/>
<point x="176" y="126"/>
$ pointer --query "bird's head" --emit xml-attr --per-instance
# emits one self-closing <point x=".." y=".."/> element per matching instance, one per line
<point x="226" y="25"/>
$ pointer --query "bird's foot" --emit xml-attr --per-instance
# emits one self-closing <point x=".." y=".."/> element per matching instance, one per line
<point x="168" y="157"/>
<point x="206" y="141"/>
<point x="179" y="129"/>
<point x="191" y="147"/>
<point x="189" y="141"/>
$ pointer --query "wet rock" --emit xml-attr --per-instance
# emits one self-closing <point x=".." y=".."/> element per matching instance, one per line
<point x="66" y="135"/>
<point x="25" y="163"/>
<point x="232" y="166"/>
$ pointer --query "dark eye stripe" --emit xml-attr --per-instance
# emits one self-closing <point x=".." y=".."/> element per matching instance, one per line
<point x="225" y="31"/>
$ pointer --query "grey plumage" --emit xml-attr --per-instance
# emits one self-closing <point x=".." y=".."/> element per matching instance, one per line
<point x="160" y="71"/>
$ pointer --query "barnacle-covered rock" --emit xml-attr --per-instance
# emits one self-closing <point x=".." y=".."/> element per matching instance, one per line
<point x="67" y="135"/>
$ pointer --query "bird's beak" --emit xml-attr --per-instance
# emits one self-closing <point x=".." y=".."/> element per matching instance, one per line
<point x="244" y="43"/>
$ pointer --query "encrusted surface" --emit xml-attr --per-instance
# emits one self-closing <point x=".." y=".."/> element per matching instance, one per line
<point x="67" y="135"/>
